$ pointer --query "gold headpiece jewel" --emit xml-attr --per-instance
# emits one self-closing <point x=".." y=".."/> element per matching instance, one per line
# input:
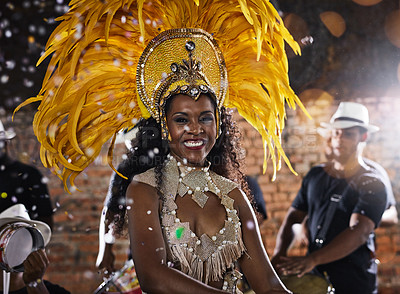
<point x="92" y="86"/>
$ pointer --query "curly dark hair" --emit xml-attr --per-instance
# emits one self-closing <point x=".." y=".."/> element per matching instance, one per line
<point x="149" y="150"/>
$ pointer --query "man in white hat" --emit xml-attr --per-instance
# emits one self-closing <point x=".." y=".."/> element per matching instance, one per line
<point x="22" y="183"/>
<point x="390" y="216"/>
<point x="344" y="201"/>
<point x="23" y="258"/>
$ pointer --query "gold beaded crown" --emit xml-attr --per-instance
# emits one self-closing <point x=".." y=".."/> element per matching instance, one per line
<point x="102" y="78"/>
<point x="191" y="64"/>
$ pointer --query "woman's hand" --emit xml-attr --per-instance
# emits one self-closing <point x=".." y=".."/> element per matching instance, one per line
<point x="107" y="263"/>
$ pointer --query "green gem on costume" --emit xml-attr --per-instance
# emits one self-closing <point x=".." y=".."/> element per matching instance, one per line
<point x="179" y="232"/>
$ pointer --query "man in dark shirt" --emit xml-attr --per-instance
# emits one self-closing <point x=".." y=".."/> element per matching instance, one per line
<point x="21" y="183"/>
<point x="344" y="201"/>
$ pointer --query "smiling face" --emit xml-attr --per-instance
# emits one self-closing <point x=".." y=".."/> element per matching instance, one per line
<point x="192" y="127"/>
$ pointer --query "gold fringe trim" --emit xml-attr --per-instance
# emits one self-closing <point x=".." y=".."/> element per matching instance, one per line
<point x="214" y="267"/>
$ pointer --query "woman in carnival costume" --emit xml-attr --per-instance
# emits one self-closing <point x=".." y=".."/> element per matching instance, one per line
<point x="164" y="66"/>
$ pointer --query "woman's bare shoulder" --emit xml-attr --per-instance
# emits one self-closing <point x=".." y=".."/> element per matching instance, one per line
<point x="240" y="199"/>
<point x="141" y="191"/>
<point x="237" y="194"/>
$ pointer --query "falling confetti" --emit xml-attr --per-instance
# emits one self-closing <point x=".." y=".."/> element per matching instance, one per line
<point x="250" y="225"/>
<point x="24" y="29"/>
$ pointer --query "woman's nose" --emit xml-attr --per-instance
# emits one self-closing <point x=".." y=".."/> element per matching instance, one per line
<point x="195" y="128"/>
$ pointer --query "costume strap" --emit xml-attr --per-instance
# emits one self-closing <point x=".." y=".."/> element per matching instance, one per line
<point x="333" y="204"/>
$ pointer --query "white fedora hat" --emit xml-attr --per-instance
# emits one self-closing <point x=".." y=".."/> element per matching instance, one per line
<point x="348" y="115"/>
<point x="18" y="213"/>
<point x="5" y="135"/>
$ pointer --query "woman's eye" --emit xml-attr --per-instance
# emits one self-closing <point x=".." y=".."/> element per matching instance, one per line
<point x="208" y="118"/>
<point x="180" y="120"/>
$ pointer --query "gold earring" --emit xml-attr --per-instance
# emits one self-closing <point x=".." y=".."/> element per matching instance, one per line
<point x="218" y="121"/>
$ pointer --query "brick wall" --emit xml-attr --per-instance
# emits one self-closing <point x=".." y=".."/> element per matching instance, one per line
<point x="74" y="243"/>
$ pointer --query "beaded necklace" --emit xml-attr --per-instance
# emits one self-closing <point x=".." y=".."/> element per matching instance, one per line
<point x="197" y="182"/>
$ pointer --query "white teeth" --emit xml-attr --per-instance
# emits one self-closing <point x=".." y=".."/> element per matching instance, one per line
<point x="193" y="143"/>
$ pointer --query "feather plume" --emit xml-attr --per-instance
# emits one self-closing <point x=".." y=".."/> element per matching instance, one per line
<point x="89" y="91"/>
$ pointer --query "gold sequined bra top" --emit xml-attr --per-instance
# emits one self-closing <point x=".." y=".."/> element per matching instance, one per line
<point x="205" y="258"/>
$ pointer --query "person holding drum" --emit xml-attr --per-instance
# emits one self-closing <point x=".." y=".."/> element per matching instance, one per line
<point x="389" y="216"/>
<point x="22" y="255"/>
<point x="344" y="200"/>
<point x="164" y="66"/>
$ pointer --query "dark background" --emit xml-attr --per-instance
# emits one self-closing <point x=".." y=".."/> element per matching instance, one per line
<point x="361" y="62"/>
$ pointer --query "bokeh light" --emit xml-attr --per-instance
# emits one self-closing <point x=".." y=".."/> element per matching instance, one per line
<point x="367" y="2"/>
<point x="334" y="22"/>
<point x="316" y="95"/>
<point x="392" y="27"/>
<point x="298" y="27"/>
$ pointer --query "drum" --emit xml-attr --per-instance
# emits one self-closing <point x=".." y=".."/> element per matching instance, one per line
<point x="17" y="241"/>
<point x="122" y="281"/>
<point x="307" y="284"/>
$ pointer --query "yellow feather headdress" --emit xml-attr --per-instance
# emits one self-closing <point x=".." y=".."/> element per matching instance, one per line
<point x="90" y="92"/>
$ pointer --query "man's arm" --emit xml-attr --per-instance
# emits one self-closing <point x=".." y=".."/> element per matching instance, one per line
<point x="342" y="245"/>
<point x="285" y="234"/>
<point x="34" y="268"/>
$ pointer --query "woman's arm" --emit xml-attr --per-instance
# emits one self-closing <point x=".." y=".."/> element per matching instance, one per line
<point x="255" y="263"/>
<point x="148" y="246"/>
<point x="105" y="257"/>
